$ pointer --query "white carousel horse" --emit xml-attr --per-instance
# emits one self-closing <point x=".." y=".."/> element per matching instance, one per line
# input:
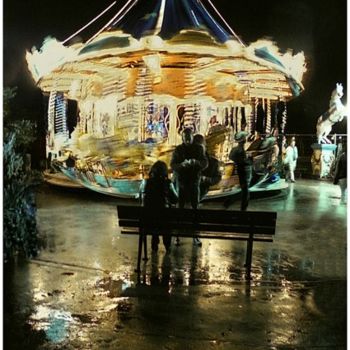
<point x="335" y="113"/>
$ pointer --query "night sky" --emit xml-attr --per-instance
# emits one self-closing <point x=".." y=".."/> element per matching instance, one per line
<point x="317" y="27"/>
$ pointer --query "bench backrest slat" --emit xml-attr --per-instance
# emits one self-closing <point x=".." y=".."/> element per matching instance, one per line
<point x="199" y="220"/>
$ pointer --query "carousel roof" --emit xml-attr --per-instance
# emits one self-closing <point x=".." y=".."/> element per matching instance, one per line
<point x="167" y="18"/>
<point x="182" y="34"/>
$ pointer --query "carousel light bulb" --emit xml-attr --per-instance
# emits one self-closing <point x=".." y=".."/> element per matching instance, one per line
<point x="74" y="88"/>
<point x="153" y="64"/>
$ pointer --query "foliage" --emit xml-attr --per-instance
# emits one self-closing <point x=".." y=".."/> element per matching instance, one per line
<point x="19" y="225"/>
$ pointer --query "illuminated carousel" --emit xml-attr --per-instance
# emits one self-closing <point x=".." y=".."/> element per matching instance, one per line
<point x="153" y="69"/>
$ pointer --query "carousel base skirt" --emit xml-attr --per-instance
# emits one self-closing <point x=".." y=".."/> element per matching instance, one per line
<point x="129" y="188"/>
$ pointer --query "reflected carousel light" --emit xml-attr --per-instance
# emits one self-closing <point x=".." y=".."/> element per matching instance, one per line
<point x="286" y="289"/>
<point x="187" y="278"/>
<point x="127" y="284"/>
<point x="170" y="289"/>
<point x="257" y="277"/>
<point x="55" y="323"/>
<point x="112" y="304"/>
<point x="38" y="294"/>
<point x="213" y="253"/>
<point x="97" y="265"/>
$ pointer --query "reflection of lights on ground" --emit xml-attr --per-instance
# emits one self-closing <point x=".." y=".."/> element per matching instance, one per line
<point x="115" y="222"/>
<point x="214" y="252"/>
<point x="187" y="277"/>
<point x="286" y="289"/>
<point x="126" y="284"/>
<point x="97" y="265"/>
<point x="115" y="240"/>
<point x="60" y="325"/>
<point x="55" y="323"/>
<point x="203" y="269"/>
<point x="283" y="327"/>
<point x="257" y="275"/>
<point x="38" y="294"/>
<point x="113" y="305"/>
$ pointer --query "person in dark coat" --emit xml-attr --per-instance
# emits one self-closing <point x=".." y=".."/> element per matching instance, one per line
<point x="211" y="175"/>
<point x="340" y="176"/>
<point x="187" y="162"/>
<point x="244" y="166"/>
<point x="158" y="192"/>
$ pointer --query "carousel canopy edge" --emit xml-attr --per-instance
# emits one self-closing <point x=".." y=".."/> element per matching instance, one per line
<point x="147" y="27"/>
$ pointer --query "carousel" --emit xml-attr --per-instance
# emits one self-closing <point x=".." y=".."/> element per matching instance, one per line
<point x="119" y="101"/>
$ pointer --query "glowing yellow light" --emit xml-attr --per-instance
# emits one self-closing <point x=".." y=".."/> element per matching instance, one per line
<point x="50" y="56"/>
<point x="294" y="64"/>
<point x="153" y="64"/>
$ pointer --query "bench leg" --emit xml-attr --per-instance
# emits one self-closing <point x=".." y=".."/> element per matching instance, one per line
<point x="249" y="254"/>
<point x="145" y="258"/>
<point x="139" y="253"/>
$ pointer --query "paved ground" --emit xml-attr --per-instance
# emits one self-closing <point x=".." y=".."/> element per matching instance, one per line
<point x="82" y="292"/>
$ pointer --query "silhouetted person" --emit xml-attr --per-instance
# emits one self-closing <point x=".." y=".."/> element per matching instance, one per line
<point x="70" y="161"/>
<point x="244" y="166"/>
<point x="188" y="161"/>
<point x="211" y="175"/>
<point x="340" y="176"/>
<point x="158" y="192"/>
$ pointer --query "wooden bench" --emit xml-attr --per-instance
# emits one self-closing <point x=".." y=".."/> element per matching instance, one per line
<point x="249" y="226"/>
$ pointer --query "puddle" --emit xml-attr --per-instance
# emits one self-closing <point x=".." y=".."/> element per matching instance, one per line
<point x="55" y="323"/>
<point x="113" y="288"/>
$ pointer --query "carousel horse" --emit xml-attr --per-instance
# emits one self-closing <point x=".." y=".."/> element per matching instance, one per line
<point x="335" y="113"/>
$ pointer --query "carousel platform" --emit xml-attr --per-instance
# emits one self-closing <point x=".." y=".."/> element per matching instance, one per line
<point x="129" y="188"/>
<point x="59" y="179"/>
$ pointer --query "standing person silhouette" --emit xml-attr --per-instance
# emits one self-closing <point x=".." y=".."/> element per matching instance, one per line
<point x="158" y="192"/>
<point x="244" y="166"/>
<point x="340" y="176"/>
<point x="187" y="163"/>
<point x="211" y="175"/>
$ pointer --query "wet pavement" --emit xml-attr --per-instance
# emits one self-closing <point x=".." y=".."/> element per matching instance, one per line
<point x="82" y="291"/>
